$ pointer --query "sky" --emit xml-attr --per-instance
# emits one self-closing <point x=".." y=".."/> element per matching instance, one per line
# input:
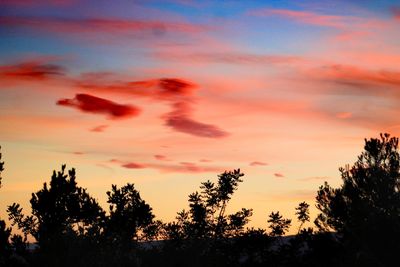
<point x="169" y="94"/>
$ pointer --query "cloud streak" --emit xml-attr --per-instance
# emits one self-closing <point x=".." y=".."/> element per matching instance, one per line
<point x="100" y="25"/>
<point x="258" y="163"/>
<point x="175" y="91"/>
<point x="306" y="17"/>
<point x="97" y="105"/>
<point x="31" y="70"/>
<point x="99" y="128"/>
<point x="179" y="119"/>
<point x="234" y="58"/>
<point x="360" y="79"/>
<point x="182" y="167"/>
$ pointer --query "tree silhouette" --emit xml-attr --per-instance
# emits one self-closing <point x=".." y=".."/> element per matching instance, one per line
<point x="129" y="213"/>
<point x="1" y="166"/>
<point x="278" y="225"/>
<point x="58" y="210"/>
<point x="206" y="217"/>
<point x="303" y="214"/>
<point x="5" y="232"/>
<point x="365" y="209"/>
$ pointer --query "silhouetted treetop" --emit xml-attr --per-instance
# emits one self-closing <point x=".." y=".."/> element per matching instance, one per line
<point x="58" y="209"/>
<point x="129" y="213"/>
<point x="365" y="209"/>
<point x="278" y="225"/>
<point x="303" y="214"/>
<point x="206" y="217"/>
<point x="1" y="166"/>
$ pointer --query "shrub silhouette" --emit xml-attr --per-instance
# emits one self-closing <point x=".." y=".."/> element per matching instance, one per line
<point x="1" y="166"/>
<point x="365" y="210"/>
<point x="206" y="217"/>
<point x="303" y="214"/>
<point x="63" y="215"/>
<point x="129" y="214"/>
<point x="358" y="224"/>
<point x="5" y="232"/>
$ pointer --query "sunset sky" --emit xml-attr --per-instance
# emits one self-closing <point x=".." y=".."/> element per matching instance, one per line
<point x="168" y="94"/>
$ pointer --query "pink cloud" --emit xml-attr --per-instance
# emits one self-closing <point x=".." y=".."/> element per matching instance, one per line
<point x="396" y="12"/>
<point x="230" y="58"/>
<point x="93" y="104"/>
<point x="164" y="88"/>
<point x="161" y="157"/>
<point x="361" y="78"/>
<point x="179" y="119"/>
<point x="133" y="165"/>
<point x="31" y="70"/>
<point x="100" y="25"/>
<point x="99" y="128"/>
<point x="182" y="167"/>
<point x="258" y="163"/>
<point x="344" y="115"/>
<point x="306" y="17"/>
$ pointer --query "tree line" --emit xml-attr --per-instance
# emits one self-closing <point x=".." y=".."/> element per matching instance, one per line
<point x="358" y="224"/>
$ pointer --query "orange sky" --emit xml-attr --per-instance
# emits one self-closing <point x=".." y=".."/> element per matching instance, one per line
<point x="169" y="94"/>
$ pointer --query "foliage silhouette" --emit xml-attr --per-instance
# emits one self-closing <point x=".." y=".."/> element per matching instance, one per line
<point x="358" y="224"/>
<point x="1" y="166"/>
<point x="5" y="232"/>
<point x="278" y="225"/>
<point x="303" y="214"/>
<point x="206" y="217"/>
<point x="129" y="213"/>
<point x="365" y="210"/>
<point x="62" y="214"/>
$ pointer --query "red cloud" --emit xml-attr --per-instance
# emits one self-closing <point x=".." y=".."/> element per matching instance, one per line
<point x="175" y="91"/>
<point x="305" y="17"/>
<point x="258" y="163"/>
<point x="99" y="128"/>
<point x="173" y="87"/>
<point x="183" y="167"/>
<point x="93" y="104"/>
<point x="165" y="88"/>
<point x="180" y="121"/>
<point x="30" y="70"/>
<point x="133" y="165"/>
<point x="280" y="175"/>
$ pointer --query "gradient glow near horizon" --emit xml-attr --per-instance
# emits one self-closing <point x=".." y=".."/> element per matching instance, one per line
<point x="168" y="94"/>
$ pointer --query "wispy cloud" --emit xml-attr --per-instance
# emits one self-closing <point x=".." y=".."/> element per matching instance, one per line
<point x="31" y="70"/>
<point x="306" y="17"/>
<point x="361" y="79"/>
<point x="99" y="128"/>
<point x="179" y="119"/>
<point x="238" y="58"/>
<point x="100" y="25"/>
<point x="258" y="163"/>
<point x="182" y="167"/>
